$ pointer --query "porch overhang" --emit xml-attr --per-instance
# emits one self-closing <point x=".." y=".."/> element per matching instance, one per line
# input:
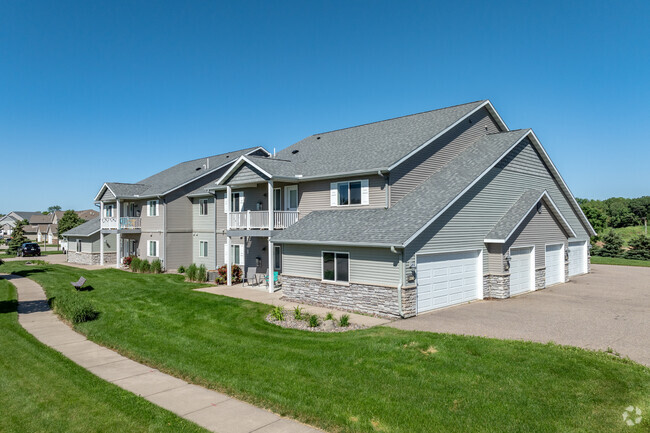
<point x="252" y="233"/>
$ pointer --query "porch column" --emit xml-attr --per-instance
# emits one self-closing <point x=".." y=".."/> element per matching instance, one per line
<point x="101" y="247"/>
<point x="118" y="240"/>
<point x="271" y="267"/>
<point x="270" y="200"/>
<point x="227" y="205"/>
<point x="228" y="260"/>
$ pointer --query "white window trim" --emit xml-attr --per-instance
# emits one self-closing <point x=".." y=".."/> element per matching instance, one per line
<point x="277" y="266"/>
<point x="322" y="267"/>
<point x="149" y="249"/>
<point x="365" y="193"/>
<point x="204" y="251"/>
<point x="78" y="246"/>
<point x="149" y="203"/>
<point x="203" y="201"/>
<point x="242" y="257"/>
<point x="108" y="211"/>
<point x="228" y="205"/>
<point x="279" y="204"/>
<point x="287" y="197"/>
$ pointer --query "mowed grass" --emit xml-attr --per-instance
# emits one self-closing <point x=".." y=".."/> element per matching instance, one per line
<point x="628" y="233"/>
<point x="376" y="380"/>
<point x="42" y="391"/>
<point x="618" y="261"/>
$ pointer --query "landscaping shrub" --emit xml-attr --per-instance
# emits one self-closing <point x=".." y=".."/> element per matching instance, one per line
<point x="297" y="313"/>
<point x="639" y="248"/>
<point x="156" y="266"/>
<point x="135" y="264"/>
<point x="313" y="321"/>
<point x="127" y="261"/>
<point x="236" y="274"/>
<point x="344" y="320"/>
<point x="74" y="307"/>
<point x="278" y="313"/>
<point x="329" y="316"/>
<point x="202" y="274"/>
<point x="145" y="266"/>
<point x="181" y="269"/>
<point x="192" y="270"/>
<point x="613" y="244"/>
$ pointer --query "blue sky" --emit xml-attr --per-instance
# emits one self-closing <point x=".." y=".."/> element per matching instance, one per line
<point x="116" y="91"/>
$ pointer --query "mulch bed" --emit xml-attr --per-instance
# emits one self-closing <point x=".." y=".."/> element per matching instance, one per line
<point x="291" y="322"/>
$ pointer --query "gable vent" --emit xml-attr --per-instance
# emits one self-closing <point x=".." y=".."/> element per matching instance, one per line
<point x="294" y="151"/>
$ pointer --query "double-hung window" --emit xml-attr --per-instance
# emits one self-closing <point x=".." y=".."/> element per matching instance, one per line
<point x="336" y="266"/>
<point x="203" y="206"/>
<point x="78" y="245"/>
<point x="152" y="208"/>
<point x="108" y="211"/>
<point x="203" y="248"/>
<point x="153" y="249"/>
<point x="236" y="202"/>
<point x="350" y="193"/>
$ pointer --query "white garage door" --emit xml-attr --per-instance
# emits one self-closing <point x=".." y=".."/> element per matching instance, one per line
<point x="577" y="258"/>
<point x="447" y="279"/>
<point x="522" y="277"/>
<point x="554" y="264"/>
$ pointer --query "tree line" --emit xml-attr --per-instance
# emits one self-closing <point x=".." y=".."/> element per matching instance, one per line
<point x="615" y="212"/>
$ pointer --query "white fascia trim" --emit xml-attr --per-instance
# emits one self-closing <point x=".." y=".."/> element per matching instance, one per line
<point x="101" y="190"/>
<point x="554" y="209"/>
<point x="455" y="199"/>
<point x="238" y="164"/>
<point x="346" y="244"/>
<point x="558" y="176"/>
<point x="487" y="104"/>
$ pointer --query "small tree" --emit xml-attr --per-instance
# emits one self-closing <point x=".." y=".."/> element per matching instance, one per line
<point x="613" y="243"/>
<point x="640" y="248"/>
<point x="54" y="208"/>
<point x="68" y="221"/>
<point x="17" y="237"/>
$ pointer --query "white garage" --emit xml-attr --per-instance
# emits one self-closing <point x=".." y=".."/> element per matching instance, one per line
<point x="448" y="279"/>
<point x="577" y="258"/>
<point x="522" y="270"/>
<point x="554" y="264"/>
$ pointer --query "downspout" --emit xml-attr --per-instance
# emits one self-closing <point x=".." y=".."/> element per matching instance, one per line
<point x="400" y="266"/>
<point x="216" y="243"/>
<point x="164" y="237"/>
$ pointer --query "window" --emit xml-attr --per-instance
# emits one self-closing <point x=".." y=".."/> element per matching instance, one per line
<point x="203" y="249"/>
<point x="237" y="202"/>
<point x="108" y="211"/>
<point x="152" y="208"/>
<point x="277" y="257"/>
<point x="153" y="249"/>
<point x="336" y="266"/>
<point x="349" y="193"/>
<point x="291" y="197"/>
<point x="277" y="199"/>
<point x="203" y="206"/>
<point x="78" y="245"/>
<point x="235" y="253"/>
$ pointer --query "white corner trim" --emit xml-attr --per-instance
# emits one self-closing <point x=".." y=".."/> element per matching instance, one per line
<point x="467" y="188"/>
<point x="487" y="104"/>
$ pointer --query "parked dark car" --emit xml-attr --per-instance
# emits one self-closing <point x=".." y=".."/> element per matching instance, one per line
<point x="29" y="249"/>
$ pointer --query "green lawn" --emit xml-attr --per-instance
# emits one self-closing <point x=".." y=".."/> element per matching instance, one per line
<point x="618" y="261"/>
<point x="627" y="233"/>
<point x="42" y="391"/>
<point x="5" y="255"/>
<point x="376" y="380"/>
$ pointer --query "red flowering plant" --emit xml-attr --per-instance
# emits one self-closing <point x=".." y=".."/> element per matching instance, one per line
<point x="127" y="260"/>
<point x="223" y="276"/>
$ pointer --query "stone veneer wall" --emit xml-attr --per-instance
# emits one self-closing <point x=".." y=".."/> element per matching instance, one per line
<point x="90" y="258"/>
<point x="588" y="260"/>
<point x="365" y="298"/>
<point x="496" y="286"/>
<point x="540" y="278"/>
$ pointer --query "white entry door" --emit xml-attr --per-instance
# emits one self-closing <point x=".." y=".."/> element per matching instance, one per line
<point x="554" y="264"/>
<point x="577" y="258"/>
<point x="447" y="279"/>
<point x="522" y="270"/>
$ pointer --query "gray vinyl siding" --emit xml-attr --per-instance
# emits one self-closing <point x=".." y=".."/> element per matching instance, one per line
<point x="415" y="170"/>
<point x="109" y="243"/>
<point x="494" y="259"/>
<point x="179" y="250"/>
<point x="107" y="195"/>
<point x="538" y="229"/>
<point x="246" y="174"/>
<point x="367" y="265"/>
<point x="315" y="195"/>
<point x="219" y="251"/>
<point x="464" y="225"/>
<point x="209" y="261"/>
<point x="153" y="223"/>
<point x="203" y="223"/>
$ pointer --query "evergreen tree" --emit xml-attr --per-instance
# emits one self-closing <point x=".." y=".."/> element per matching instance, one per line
<point x="613" y="243"/>
<point x="640" y="248"/>
<point x="18" y="237"/>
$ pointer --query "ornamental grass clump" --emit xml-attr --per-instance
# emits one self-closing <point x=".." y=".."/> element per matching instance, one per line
<point x="145" y="266"/>
<point x="313" y="321"/>
<point x="192" y="271"/>
<point x="74" y="307"/>
<point x="344" y="320"/>
<point x="156" y="266"/>
<point x="202" y="274"/>
<point x="181" y="269"/>
<point x="297" y="313"/>
<point x="135" y="264"/>
<point x="278" y="313"/>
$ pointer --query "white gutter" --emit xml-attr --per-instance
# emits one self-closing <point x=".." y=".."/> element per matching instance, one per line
<point x="350" y="244"/>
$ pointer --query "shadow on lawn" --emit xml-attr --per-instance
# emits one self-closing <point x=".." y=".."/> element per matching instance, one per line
<point x="8" y="306"/>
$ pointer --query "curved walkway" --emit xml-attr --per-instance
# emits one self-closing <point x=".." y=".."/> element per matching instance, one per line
<point x="212" y="410"/>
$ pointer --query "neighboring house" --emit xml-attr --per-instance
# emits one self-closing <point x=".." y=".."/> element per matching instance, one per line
<point x="8" y="222"/>
<point x="168" y="216"/>
<point x="48" y="224"/>
<point x="31" y="232"/>
<point x="82" y="243"/>
<point x="406" y="215"/>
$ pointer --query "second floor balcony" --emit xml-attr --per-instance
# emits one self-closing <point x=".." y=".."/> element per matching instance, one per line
<point x="122" y="223"/>
<point x="259" y="220"/>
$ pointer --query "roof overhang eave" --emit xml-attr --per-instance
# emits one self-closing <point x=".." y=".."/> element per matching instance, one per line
<point x="338" y="243"/>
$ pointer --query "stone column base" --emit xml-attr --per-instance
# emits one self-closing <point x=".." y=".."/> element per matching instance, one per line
<point x="496" y="286"/>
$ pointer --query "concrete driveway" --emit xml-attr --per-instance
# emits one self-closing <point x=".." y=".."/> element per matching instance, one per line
<point x="608" y="308"/>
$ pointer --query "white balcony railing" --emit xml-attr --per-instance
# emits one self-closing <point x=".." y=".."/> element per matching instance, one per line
<point x="259" y="220"/>
<point x="125" y="223"/>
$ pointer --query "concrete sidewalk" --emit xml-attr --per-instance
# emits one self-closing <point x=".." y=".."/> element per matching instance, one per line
<point x="261" y="295"/>
<point x="212" y="410"/>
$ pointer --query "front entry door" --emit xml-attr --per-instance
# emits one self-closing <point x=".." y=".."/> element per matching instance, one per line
<point x="291" y="197"/>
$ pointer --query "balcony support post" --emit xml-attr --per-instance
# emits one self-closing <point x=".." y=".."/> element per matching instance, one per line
<point x="118" y="240"/>
<point x="248" y="220"/>
<point x="271" y="268"/>
<point x="227" y="205"/>
<point x="271" y="205"/>
<point x="101" y="233"/>
<point x="228" y="260"/>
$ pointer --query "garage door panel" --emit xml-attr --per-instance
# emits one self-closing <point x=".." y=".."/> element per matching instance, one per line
<point x="554" y="264"/>
<point x="454" y="279"/>
<point x="577" y="258"/>
<point x="521" y="268"/>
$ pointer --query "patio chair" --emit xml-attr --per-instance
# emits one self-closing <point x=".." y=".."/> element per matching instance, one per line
<point x="276" y="279"/>
<point x="251" y="277"/>
<point x="79" y="284"/>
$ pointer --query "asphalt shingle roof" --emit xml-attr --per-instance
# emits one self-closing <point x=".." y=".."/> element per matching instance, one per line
<point x="395" y="225"/>
<point x="85" y="229"/>
<point x="515" y="214"/>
